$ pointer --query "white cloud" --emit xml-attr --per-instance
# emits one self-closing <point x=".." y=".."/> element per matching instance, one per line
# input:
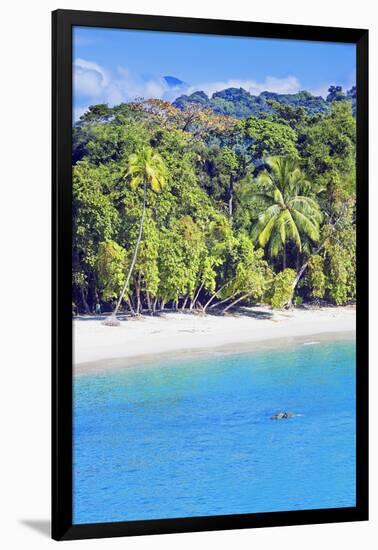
<point x="288" y="85"/>
<point x="93" y="84"/>
<point x="89" y="79"/>
<point x="321" y="90"/>
<point x="78" y="111"/>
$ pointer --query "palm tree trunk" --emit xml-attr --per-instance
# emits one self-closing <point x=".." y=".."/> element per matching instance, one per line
<point x="149" y="302"/>
<point x="299" y="275"/>
<point x="304" y="266"/>
<point x="295" y="282"/>
<point x="213" y="297"/>
<point x="85" y="303"/>
<point x="137" y="290"/>
<point x="131" y="306"/>
<point x="235" y="302"/>
<point x="231" y="196"/>
<point x="224" y="301"/>
<point x="284" y="257"/>
<point x="193" y="302"/>
<point x="135" y="251"/>
<point x="185" y="302"/>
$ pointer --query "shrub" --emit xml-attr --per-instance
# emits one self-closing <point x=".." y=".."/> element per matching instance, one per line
<point x="282" y="288"/>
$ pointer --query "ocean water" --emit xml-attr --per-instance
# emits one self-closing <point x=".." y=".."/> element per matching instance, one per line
<point x="194" y="437"/>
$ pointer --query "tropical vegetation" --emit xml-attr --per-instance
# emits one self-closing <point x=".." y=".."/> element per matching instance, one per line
<point x="204" y="205"/>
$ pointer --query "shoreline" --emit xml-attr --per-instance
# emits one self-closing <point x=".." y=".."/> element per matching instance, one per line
<point x="98" y="348"/>
<point x="238" y="348"/>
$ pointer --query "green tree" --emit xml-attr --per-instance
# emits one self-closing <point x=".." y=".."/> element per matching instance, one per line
<point x="340" y="259"/>
<point x="146" y="271"/>
<point x="289" y="213"/>
<point x="316" y="277"/>
<point x="250" y="273"/>
<point x="245" y="275"/>
<point x="281" y="292"/>
<point x="110" y="267"/>
<point x="335" y="93"/>
<point x="95" y="219"/>
<point x="145" y="167"/>
<point x="269" y="139"/>
<point x="284" y="113"/>
<point x="199" y="242"/>
<point x="231" y="165"/>
<point x="328" y="150"/>
<point x="182" y="248"/>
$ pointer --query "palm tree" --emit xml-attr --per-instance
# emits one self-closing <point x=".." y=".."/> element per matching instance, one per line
<point x="147" y="168"/>
<point x="291" y="215"/>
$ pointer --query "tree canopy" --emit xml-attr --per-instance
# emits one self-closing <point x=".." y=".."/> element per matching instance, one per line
<point x="235" y="209"/>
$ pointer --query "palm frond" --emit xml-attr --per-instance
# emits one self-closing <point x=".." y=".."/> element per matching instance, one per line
<point x="264" y="198"/>
<point x="146" y="165"/>
<point x="281" y="225"/>
<point x="299" y="201"/>
<point x="306" y="225"/>
<point x="264" y="179"/>
<point x="135" y="182"/>
<point x="292" y="231"/>
<point x="277" y="195"/>
<point x="275" y="244"/>
<point x="266" y="232"/>
<point x="264" y="219"/>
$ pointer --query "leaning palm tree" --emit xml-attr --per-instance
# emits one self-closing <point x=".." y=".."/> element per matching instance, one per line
<point x="290" y="214"/>
<point x="147" y="168"/>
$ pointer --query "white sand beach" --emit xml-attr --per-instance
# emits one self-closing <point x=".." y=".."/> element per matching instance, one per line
<point x="175" y="331"/>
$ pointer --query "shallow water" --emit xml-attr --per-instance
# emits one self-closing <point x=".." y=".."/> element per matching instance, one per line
<point x="194" y="437"/>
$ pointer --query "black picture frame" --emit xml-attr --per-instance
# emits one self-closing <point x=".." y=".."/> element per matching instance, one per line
<point x="62" y="23"/>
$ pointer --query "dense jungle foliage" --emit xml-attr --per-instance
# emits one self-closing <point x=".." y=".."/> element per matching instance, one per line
<point x="189" y="206"/>
<point x="239" y="103"/>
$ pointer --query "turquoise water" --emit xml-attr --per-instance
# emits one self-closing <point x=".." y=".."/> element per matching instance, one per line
<point x="194" y="437"/>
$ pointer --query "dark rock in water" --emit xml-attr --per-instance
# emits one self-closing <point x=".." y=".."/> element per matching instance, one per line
<point x="282" y="415"/>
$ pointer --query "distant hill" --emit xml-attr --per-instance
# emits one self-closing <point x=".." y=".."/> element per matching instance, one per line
<point x="239" y="103"/>
<point x="173" y="82"/>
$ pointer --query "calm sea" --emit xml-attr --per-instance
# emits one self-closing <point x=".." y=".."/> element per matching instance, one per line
<point x="194" y="437"/>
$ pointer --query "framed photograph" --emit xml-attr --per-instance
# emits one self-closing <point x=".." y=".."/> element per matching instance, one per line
<point x="210" y="275"/>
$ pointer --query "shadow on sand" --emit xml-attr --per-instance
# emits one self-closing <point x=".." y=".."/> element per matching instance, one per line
<point x="216" y="312"/>
<point x="243" y="312"/>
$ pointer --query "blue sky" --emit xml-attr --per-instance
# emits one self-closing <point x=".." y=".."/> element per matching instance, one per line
<point x="112" y="66"/>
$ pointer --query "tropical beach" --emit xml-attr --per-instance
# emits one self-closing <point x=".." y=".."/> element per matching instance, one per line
<point x="213" y="275"/>
<point x="141" y="339"/>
